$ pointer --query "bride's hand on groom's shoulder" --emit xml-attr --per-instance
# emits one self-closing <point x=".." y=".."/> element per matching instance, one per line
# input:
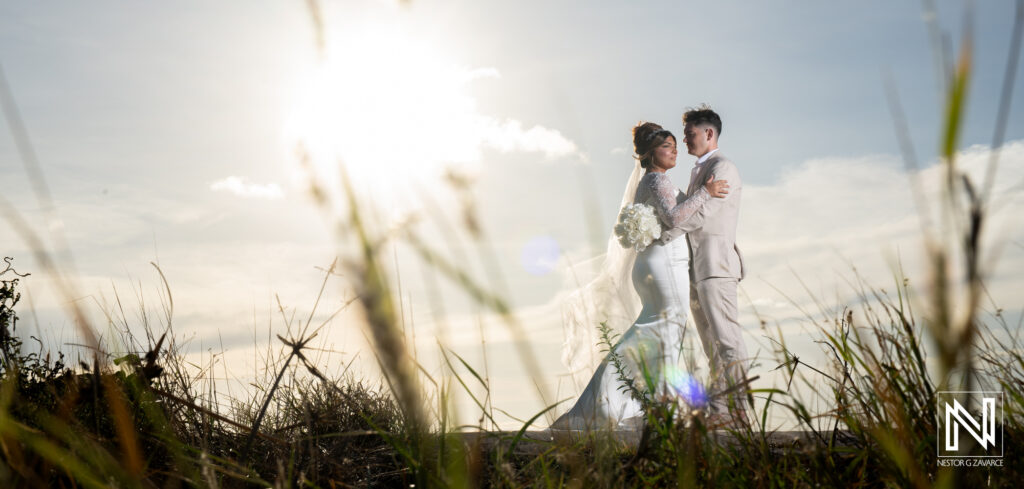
<point x="717" y="188"/>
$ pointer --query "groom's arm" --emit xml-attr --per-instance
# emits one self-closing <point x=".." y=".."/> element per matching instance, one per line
<point x="723" y="170"/>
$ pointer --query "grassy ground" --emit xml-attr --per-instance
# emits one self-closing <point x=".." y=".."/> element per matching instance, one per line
<point x="138" y="421"/>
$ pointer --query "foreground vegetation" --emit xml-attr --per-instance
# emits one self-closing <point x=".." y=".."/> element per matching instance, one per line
<point x="141" y="420"/>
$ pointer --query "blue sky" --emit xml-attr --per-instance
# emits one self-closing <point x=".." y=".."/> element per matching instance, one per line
<point x="142" y="114"/>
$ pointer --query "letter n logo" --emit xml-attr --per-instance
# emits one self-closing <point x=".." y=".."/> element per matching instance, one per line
<point x="984" y="428"/>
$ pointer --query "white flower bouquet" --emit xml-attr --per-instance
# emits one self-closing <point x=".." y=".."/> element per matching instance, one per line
<point x="637" y="227"/>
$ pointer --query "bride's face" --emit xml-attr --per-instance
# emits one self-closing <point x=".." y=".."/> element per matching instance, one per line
<point x="665" y="155"/>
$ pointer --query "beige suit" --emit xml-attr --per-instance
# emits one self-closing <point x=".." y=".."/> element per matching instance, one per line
<point x="715" y="268"/>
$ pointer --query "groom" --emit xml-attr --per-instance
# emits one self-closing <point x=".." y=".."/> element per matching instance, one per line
<point x="716" y="265"/>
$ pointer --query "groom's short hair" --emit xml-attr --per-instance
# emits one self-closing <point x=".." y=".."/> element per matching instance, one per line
<point x="703" y="115"/>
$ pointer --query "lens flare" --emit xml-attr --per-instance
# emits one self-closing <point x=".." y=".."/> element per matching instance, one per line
<point x="686" y="386"/>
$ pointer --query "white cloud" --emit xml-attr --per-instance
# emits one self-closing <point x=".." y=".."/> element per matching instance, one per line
<point x="479" y="73"/>
<point x="768" y="303"/>
<point x="509" y="135"/>
<point x="860" y="209"/>
<point x="242" y="187"/>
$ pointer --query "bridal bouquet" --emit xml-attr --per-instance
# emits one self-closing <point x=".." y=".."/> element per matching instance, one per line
<point x="637" y="227"/>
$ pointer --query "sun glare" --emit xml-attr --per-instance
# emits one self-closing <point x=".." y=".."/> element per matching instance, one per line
<point x="391" y="110"/>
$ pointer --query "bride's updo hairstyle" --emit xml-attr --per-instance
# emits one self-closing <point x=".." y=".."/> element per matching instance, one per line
<point x="646" y="137"/>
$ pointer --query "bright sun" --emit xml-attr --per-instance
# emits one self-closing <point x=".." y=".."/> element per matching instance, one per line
<point x="390" y="109"/>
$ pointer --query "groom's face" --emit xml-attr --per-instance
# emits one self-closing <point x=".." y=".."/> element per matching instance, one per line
<point x="697" y="139"/>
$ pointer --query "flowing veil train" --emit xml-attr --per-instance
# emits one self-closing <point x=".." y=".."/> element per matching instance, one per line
<point x="608" y="297"/>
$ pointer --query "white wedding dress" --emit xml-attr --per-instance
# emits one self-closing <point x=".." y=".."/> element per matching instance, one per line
<point x="661" y="278"/>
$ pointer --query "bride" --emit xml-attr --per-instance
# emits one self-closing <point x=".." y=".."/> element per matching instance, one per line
<point x="659" y="273"/>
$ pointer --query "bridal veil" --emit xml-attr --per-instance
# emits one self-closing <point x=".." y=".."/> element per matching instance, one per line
<point x="608" y="297"/>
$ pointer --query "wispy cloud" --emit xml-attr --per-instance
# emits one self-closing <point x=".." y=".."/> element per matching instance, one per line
<point x="478" y="73"/>
<point x="809" y="236"/>
<point x="765" y="302"/>
<point x="242" y="187"/>
<point x="510" y="136"/>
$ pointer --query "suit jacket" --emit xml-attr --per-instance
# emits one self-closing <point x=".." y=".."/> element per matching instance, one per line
<point x="711" y="232"/>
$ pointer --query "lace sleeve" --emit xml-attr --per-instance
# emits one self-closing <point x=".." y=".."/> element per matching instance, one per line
<point x="671" y="213"/>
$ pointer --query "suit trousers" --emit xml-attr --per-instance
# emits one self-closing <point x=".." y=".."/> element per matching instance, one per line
<point x="715" y="313"/>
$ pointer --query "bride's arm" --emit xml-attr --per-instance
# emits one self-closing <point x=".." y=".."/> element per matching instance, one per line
<point x="685" y="215"/>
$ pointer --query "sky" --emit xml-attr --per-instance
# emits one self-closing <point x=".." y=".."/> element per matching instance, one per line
<point x="172" y="134"/>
